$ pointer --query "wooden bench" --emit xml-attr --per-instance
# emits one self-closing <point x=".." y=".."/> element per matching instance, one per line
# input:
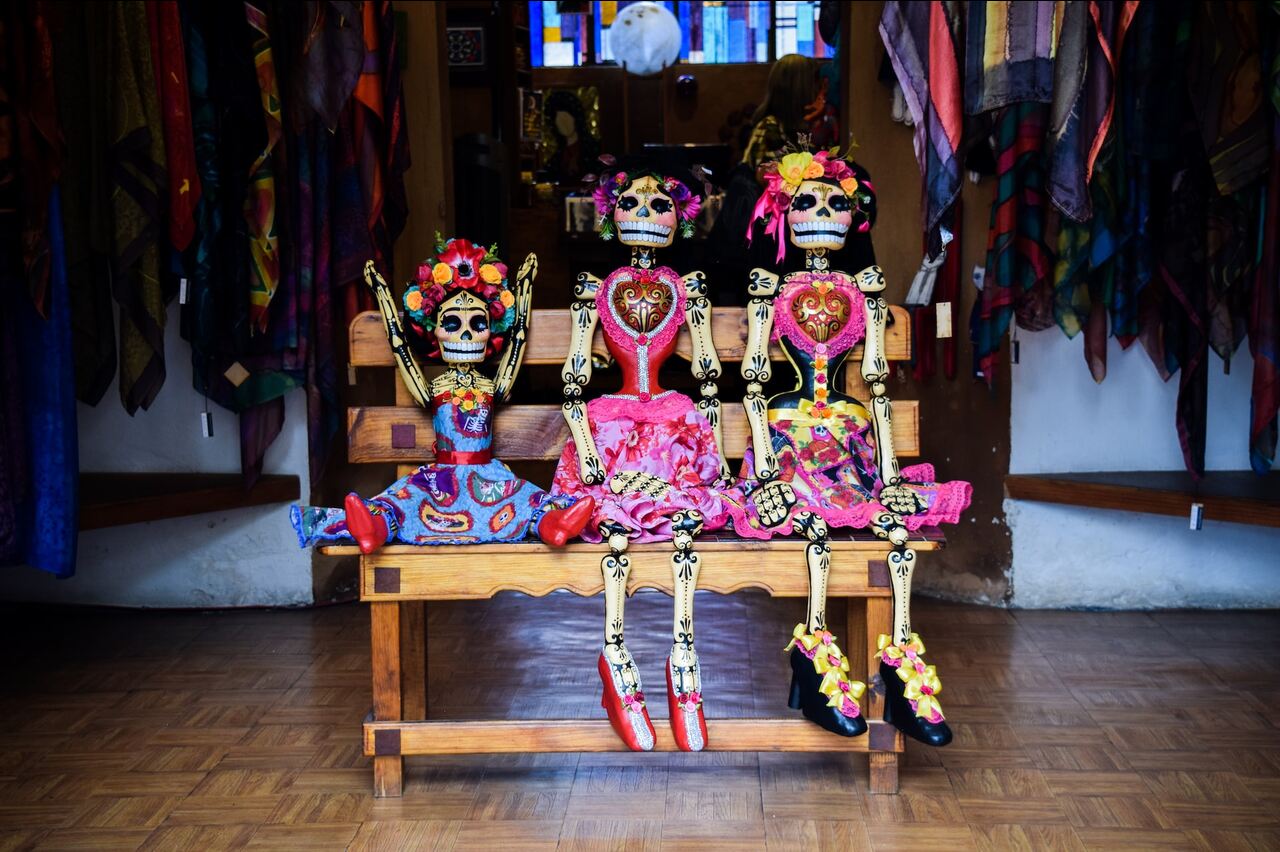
<point x="398" y="580"/>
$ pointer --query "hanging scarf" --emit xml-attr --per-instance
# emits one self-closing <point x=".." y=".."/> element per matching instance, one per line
<point x="171" y="73"/>
<point x="1019" y="261"/>
<point x="138" y="177"/>
<point x="921" y="45"/>
<point x="1264" y="318"/>
<point x="260" y="206"/>
<point x="1010" y="50"/>
<point x="84" y="99"/>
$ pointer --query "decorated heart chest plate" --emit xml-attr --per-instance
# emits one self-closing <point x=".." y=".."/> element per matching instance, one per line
<point x="820" y="311"/>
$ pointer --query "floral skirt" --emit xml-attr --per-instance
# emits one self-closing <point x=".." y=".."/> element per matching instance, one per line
<point x="442" y="504"/>
<point x="834" y="476"/>
<point x="665" y="437"/>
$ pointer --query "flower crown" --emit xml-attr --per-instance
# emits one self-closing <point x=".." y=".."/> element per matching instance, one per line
<point x="613" y="182"/>
<point x="460" y="265"/>
<point x="782" y="179"/>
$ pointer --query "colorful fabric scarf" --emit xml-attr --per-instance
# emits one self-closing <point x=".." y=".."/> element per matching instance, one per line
<point x="919" y="38"/>
<point x="138" y="178"/>
<point x="1010" y="49"/>
<point x="1264" y="318"/>
<point x="260" y="206"/>
<point x="165" y="25"/>
<point x="1019" y="260"/>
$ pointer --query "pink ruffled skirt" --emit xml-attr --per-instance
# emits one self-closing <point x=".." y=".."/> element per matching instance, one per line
<point x="665" y="437"/>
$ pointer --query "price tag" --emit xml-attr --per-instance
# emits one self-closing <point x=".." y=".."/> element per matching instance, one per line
<point x="206" y="423"/>
<point x="944" y="319"/>
<point x="1197" y="516"/>
<point x="182" y="291"/>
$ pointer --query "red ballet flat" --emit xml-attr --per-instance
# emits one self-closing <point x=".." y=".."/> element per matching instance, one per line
<point x="558" y="526"/>
<point x="687" y="722"/>
<point x="627" y="714"/>
<point x="369" y="530"/>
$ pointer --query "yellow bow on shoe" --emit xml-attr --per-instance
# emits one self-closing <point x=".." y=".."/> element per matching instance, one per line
<point x="921" y="679"/>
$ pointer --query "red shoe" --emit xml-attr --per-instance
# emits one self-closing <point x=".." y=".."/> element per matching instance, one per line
<point x="687" y="721"/>
<point x="627" y="715"/>
<point x="369" y="530"/>
<point x="559" y="525"/>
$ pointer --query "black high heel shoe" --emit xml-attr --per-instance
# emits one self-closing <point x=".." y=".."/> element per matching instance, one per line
<point x="899" y="712"/>
<point x="807" y="695"/>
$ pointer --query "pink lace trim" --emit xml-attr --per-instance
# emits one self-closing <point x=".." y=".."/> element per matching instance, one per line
<point x="784" y="321"/>
<point x="623" y="334"/>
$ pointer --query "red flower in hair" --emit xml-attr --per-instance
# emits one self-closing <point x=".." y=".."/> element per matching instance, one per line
<point x="466" y="259"/>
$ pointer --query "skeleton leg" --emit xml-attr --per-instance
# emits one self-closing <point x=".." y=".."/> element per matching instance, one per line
<point x="684" y="679"/>
<point x="818" y="556"/>
<point x="902" y="564"/>
<point x="685" y="563"/>
<point x="616" y="568"/>
<point x="623" y="698"/>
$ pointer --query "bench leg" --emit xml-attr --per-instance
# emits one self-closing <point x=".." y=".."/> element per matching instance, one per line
<point x="388" y="770"/>
<point x="413" y="658"/>
<point x="884" y="772"/>
<point x="867" y="619"/>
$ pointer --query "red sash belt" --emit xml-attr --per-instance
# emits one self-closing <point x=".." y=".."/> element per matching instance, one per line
<point x="449" y="457"/>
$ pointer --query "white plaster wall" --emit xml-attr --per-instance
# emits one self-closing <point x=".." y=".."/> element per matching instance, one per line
<point x="1061" y="421"/>
<point x="243" y="557"/>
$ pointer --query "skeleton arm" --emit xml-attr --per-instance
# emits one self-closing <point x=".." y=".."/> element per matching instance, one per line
<point x="756" y="369"/>
<point x="513" y="353"/>
<point x="706" y="364"/>
<point x="577" y="372"/>
<point x="410" y="372"/>
<point x="875" y="372"/>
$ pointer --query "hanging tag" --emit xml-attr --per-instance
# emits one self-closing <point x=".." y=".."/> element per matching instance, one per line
<point x="1197" y="516"/>
<point x="979" y="276"/>
<point x="206" y="423"/>
<point x="182" y="291"/>
<point x="351" y="374"/>
<point x="943" y="310"/>
<point x="236" y="374"/>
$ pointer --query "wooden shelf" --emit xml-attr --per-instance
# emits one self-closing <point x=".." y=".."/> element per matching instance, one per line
<point x="116" y="499"/>
<point x="1240" y="497"/>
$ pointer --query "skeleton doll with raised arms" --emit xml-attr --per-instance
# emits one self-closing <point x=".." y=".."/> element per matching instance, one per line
<point x="650" y="457"/>
<point x="460" y="311"/>
<point x="819" y="458"/>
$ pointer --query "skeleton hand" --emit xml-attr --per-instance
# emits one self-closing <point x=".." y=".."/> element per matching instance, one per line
<point x="372" y="278"/>
<point x="635" y="482"/>
<point x="901" y="500"/>
<point x="773" y="501"/>
<point x="523" y="290"/>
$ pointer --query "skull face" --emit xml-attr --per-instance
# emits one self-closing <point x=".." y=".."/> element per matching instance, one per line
<point x="645" y="215"/>
<point x="819" y="216"/>
<point x="462" y="329"/>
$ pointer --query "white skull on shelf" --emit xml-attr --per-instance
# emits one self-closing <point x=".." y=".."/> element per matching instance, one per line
<point x="645" y="215"/>
<point x="820" y="215"/>
<point x="462" y="328"/>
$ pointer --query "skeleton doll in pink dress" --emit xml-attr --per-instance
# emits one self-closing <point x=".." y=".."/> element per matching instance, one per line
<point x="649" y="457"/>
<point x="819" y="458"/>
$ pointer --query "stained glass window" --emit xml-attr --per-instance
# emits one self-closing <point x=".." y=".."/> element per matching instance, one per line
<point x="557" y="40"/>
<point x="719" y="31"/>
<point x="795" y="29"/>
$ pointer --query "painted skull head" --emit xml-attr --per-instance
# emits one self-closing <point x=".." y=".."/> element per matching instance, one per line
<point x="462" y="328"/>
<point x="820" y="215"/>
<point x="645" y="214"/>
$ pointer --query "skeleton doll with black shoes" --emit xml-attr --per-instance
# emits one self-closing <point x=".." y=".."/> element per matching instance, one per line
<point x="820" y="458"/>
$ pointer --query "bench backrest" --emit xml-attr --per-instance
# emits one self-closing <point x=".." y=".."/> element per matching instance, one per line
<point x="527" y="432"/>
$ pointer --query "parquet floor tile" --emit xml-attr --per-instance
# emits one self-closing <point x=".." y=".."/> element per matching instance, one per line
<point x="241" y="730"/>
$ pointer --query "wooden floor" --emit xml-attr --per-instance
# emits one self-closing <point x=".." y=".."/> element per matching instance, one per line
<point x="126" y="730"/>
